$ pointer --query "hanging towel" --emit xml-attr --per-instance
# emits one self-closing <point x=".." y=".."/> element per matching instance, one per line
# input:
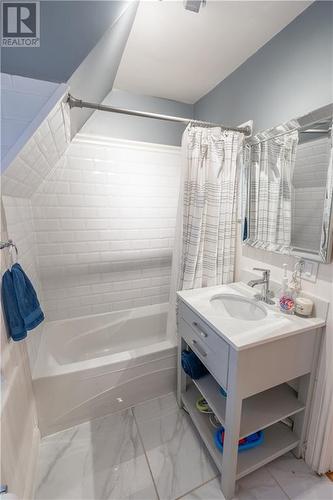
<point x="27" y="300"/>
<point x="14" y="320"/>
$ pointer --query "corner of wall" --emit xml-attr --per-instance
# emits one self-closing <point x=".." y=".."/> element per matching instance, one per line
<point x="94" y="78"/>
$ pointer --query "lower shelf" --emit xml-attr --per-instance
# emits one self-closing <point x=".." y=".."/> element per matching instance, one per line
<point x="278" y="439"/>
<point x="259" y="411"/>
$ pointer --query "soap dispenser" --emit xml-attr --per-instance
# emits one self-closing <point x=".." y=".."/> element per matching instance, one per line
<point x="287" y="296"/>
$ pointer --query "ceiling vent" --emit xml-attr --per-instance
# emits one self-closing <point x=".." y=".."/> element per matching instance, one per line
<point x="194" y="5"/>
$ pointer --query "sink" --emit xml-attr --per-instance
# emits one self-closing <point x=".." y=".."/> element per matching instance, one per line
<point x="238" y="307"/>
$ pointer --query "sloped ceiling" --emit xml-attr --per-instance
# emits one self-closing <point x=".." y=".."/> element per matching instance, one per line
<point x="93" y="79"/>
<point x="177" y="54"/>
<point x="85" y="53"/>
<point x="69" y="31"/>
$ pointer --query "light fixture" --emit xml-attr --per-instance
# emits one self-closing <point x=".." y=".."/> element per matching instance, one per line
<point x="194" y="5"/>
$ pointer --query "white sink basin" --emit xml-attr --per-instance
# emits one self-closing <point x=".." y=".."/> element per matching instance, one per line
<point x="238" y="307"/>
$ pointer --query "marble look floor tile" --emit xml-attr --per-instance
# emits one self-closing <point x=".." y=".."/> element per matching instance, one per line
<point x="260" y="485"/>
<point x="299" y="481"/>
<point x="256" y="486"/>
<point x="209" y="491"/>
<point x="97" y="460"/>
<point x="155" y="408"/>
<point x="178" y="459"/>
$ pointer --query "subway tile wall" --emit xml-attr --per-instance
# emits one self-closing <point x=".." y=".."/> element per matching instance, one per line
<point x="20" y="180"/>
<point x="20" y="228"/>
<point x="104" y="223"/>
<point x="39" y="155"/>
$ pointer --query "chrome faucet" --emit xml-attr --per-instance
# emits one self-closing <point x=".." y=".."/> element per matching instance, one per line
<point x="266" y="294"/>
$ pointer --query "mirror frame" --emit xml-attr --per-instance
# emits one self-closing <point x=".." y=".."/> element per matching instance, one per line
<point x="306" y="121"/>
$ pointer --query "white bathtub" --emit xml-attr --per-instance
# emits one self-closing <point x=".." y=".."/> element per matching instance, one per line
<point x="91" y="366"/>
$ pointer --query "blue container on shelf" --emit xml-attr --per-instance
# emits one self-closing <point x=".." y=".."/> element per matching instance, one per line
<point x="251" y="441"/>
<point x="192" y="365"/>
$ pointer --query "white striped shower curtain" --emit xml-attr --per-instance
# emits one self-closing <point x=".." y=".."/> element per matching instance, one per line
<point x="205" y="243"/>
<point x="272" y="164"/>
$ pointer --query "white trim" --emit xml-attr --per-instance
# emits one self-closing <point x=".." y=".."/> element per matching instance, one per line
<point x="58" y="95"/>
<point x="102" y="140"/>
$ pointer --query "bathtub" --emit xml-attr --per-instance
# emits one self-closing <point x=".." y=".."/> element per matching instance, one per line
<point x="90" y="366"/>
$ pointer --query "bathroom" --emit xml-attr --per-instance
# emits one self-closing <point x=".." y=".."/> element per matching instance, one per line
<point x="112" y="114"/>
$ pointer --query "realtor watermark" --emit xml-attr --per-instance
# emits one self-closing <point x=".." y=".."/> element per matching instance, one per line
<point x="20" y="24"/>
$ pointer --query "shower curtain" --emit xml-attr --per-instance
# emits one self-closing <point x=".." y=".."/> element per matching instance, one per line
<point x="205" y="240"/>
<point x="272" y="165"/>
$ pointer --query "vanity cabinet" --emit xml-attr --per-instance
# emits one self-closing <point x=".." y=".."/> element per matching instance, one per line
<point x="255" y="379"/>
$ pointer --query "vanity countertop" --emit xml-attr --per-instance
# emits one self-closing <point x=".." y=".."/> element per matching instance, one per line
<point x="243" y="334"/>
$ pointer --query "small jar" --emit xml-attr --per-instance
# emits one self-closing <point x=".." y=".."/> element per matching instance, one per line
<point x="287" y="303"/>
<point x="303" y="306"/>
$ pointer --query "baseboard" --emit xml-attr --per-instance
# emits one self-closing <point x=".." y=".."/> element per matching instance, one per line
<point x="29" y="490"/>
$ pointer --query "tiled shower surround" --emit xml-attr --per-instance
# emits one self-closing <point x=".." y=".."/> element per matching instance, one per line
<point x="19" y="181"/>
<point x="19" y="219"/>
<point x="104" y="222"/>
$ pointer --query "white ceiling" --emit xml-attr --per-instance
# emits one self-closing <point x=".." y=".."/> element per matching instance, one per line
<point x="177" y="54"/>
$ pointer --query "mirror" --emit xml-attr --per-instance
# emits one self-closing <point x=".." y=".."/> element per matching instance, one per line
<point x="287" y="187"/>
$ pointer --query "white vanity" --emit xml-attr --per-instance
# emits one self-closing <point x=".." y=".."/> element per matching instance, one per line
<point x="251" y="350"/>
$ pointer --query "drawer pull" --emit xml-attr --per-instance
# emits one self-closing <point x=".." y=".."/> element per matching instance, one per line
<point x="201" y="332"/>
<point x="199" y="349"/>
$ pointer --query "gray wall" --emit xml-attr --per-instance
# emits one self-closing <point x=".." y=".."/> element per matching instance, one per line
<point x="288" y="77"/>
<point x="93" y="79"/>
<point x="69" y="31"/>
<point x="139" y="129"/>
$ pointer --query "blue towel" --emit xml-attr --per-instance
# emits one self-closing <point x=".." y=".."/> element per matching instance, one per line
<point x="27" y="300"/>
<point x="14" y="320"/>
<point x="192" y="365"/>
<point x="21" y="306"/>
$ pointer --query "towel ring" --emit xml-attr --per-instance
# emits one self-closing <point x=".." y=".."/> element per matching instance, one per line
<point x="10" y="245"/>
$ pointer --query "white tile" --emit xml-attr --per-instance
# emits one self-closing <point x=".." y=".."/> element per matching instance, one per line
<point x="256" y="486"/>
<point x="40" y="152"/>
<point x="20" y="228"/>
<point x="259" y="485"/>
<point x="72" y="224"/>
<point x="120" y="210"/>
<point x="299" y="481"/>
<point x="209" y="491"/>
<point x="156" y="408"/>
<point x="178" y="459"/>
<point x="101" y="459"/>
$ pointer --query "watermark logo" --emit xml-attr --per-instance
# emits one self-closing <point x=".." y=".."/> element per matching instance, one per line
<point x="20" y="24"/>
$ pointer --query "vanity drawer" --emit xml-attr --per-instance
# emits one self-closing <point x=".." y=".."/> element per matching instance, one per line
<point x="215" y="361"/>
<point x="202" y="330"/>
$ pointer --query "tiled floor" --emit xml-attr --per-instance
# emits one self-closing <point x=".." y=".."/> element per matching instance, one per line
<point x="152" y="452"/>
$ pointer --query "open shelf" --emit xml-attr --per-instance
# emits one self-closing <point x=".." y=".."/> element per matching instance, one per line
<point x="202" y="423"/>
<point x="278" y="438"/>
<point x="258" y="411"/>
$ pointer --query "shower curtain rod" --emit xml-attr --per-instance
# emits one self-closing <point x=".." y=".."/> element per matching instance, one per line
<point x="78" y="103"/>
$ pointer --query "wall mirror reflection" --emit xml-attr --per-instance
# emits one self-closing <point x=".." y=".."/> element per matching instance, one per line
<point x="288" y="187"/>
